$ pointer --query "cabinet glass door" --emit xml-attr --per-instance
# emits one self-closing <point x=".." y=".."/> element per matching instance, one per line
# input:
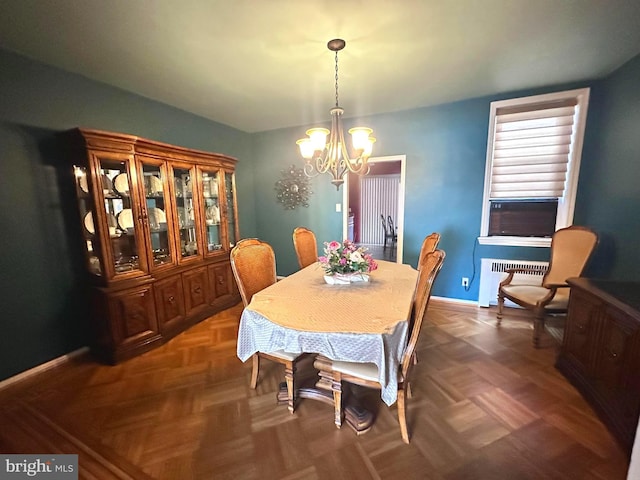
<point x="85" y="204"/>
<point x="211" y="208"/>
<point x="120" y="217"/>
<point x="184" y="179"/>
<point x="157" y="204"/>
<point x="231" y="214"/>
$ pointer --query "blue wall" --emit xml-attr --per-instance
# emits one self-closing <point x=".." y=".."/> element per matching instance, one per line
<point x="445" y="148"/>
<point x="609" y="189"/>
<point x="43" y="301"/>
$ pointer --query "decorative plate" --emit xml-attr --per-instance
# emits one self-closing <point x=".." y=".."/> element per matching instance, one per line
<point x="155" y="185"/>
<point x="88" y="223"/>
<point x="121" y="184"/>
<point x="125" y="219"/>
<point x="157" y="217"/>
<point x="82" y="183"/>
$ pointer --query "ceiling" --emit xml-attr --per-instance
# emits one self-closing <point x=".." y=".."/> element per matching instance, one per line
<point x="259" y="65"/>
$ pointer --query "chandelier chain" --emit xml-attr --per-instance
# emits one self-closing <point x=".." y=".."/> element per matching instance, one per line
<point x="337" y="79"/>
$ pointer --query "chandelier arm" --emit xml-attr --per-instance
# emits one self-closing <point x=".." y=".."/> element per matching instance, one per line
<point x="358" y="165"/>
<point x="345" y="161"/>
<point x="309" y="171"/>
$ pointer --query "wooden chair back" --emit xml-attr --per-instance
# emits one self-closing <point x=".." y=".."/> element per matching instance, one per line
<point x="427" y="273"/>
<point x="304" y="242"/>
<point x="429" y="244"/>
<point x="254" y="267"/>
<point x="571" y="249"/>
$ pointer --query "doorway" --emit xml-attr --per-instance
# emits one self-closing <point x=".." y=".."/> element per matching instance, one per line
<point x="367" y="221"/>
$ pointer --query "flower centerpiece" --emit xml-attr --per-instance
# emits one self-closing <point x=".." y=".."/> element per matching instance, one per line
<point x="344" y="263"/>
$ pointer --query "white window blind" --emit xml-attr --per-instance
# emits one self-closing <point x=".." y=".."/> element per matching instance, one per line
<point x="531" y="149"/>
<point x="534" y="146"/>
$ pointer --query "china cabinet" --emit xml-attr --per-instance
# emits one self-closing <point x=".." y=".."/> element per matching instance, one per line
<point x="158" y="222"/>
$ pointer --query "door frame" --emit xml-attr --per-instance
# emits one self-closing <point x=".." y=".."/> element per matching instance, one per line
<point x="401" y="198"/>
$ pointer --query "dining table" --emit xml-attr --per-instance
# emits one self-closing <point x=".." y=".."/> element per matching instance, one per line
<point x="363" y="321"/>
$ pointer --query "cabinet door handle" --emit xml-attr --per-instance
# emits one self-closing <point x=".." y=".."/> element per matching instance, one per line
<point x="581" y="327"/>
<point x="171" y="299"/>
<point x="221" y="280"/>
<point x="612" y="353"/>
<point x="197" y="290"/>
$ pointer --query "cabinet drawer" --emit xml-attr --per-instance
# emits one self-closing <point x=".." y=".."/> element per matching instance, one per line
<point x="169" y="303"/>
<point x="196" y="289"/>
<point x="133" y="315"/>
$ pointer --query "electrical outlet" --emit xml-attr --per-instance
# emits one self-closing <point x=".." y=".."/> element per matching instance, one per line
<point x="465" y="282"/>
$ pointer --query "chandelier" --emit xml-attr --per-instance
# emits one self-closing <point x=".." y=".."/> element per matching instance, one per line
<point x="332" y="157"/>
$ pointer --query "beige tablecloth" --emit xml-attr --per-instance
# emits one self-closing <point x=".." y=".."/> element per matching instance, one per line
<point x="361" y="322"/>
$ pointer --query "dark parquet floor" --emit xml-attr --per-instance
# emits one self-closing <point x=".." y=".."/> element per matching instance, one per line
<point x="485" y="405"/>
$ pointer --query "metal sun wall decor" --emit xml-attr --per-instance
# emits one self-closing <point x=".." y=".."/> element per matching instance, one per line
<point x="293" y="188"/>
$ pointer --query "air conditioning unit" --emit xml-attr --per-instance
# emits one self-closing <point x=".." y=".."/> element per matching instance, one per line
<point x="522" y="218"/>
<point x="492" y="272"/>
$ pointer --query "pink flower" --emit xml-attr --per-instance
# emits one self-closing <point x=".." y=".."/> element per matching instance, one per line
<point x="346" y="257"/>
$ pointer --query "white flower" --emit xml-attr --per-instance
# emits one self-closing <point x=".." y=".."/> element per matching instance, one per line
<point x="356" y="257"/>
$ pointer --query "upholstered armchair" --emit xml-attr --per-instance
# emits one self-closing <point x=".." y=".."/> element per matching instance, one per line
<point x="571" y="249"/>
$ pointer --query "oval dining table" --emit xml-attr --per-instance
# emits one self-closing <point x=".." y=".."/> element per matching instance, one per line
<point x="360" y="322"/>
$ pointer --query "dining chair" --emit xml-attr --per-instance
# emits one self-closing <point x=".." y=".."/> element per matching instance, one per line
<point x="571" y="249"/>
<point x="429" y="244"/>
<point x="254" y="267"/>
<point x="304" y="242"/>
<point x="389" y="231"/>
<point x="366" y="374"/>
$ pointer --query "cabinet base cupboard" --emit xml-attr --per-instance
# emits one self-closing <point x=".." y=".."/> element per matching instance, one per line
<point x="600" y="353"/>
<point x="158" y="224"/>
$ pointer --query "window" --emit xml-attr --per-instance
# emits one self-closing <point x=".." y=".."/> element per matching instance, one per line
<point x="533" y="160"/>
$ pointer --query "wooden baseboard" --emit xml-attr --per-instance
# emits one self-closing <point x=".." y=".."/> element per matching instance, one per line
<point x="43" y="367"/>
<point x="457" y="301"/>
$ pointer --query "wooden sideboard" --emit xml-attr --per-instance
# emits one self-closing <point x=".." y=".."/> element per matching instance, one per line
<point x="600" y="352"/>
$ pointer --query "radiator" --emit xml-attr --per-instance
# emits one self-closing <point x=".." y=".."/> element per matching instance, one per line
<point x="492" y="273"/>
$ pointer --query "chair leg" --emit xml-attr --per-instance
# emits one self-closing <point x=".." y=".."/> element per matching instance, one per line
<point x="336" y="388"/>
<point x="538" y="328"/>
<point x="254" y="370"/>
<point x="402" y="414"/>
<point x="500" y="306"/>
<point x="288" y="376"/>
